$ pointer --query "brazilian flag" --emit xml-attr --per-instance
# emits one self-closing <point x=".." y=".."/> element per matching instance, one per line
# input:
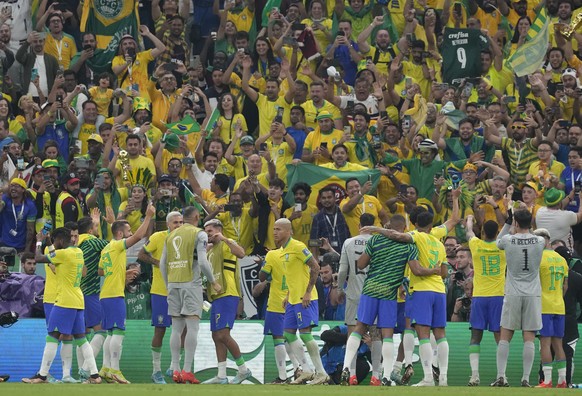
<point x="318" y="178"/>
<point x="110" y="19"/>
<point x="185" y="126"/>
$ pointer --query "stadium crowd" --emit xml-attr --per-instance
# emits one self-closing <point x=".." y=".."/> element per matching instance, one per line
<point x="296" y="132"/>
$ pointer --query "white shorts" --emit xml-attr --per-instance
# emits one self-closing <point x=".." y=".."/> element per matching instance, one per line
<point x="185" y="302"/>
<point x="521" y="313"/>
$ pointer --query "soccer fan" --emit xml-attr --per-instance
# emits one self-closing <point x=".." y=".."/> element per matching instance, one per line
<point x="67" y="316"/>
<point x="358" y="202"/>
<point x="183" y="256"/>
<point x="554" y="282"/>
<point x="387" y="260"/>
<point x="17" y="215"/>
<point x="301" y="306"/>
<point x="151" y="254"/>
<point x="522" y="303"/>
<point x="302" y="214"/>
<point x="351" y="251"/>
<point x="70" y="205"/>
<point x="329" y="222"/>
<point x="488" y="286"/>
<point x="113" y="267"/>
<point x="225" y="299"/>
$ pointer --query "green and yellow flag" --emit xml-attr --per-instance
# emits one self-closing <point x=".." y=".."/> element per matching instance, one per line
<point x="528" y="58"/>
<point x="318" y="178"/>
<point x="185" y="126"/>
<point x="110" y="20"/>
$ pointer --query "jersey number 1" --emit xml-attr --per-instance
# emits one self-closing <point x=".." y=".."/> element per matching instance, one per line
<point x="525" y="267"/>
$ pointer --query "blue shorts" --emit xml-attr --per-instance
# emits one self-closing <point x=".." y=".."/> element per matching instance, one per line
<point x="67" y="321"/>
<point x="297" y="317"/>
<point x="160" y="317"/>
<point x="274" y="323"/>
<point x="382" y="313"/>
<point x="400" y="320"/>
<point x="223" y="312"/>
<point x="428" y="308"/>
<point x="553" y="325"/>
<point x="486" y="313"/>
<point x="93" y="313"/>
<point x="48" y="307"/>
<point x="114" y="313"/>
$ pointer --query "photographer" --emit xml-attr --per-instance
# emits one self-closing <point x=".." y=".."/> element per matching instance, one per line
<point x="456" y="281"/>
<point x="166" y="200"/>
<point x="334" y="310"/>
<point x="462" y="309"/>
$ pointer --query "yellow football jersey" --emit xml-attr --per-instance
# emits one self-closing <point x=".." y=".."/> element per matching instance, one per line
<point x="294" y="256"/>
<point x="275" y="270"/>
<point x="155" y="247"/>
<point x="113" y="262"/>
<point x="431" y="253"/>
<point x="69" y="263"/>
<point x="553" y="271"/>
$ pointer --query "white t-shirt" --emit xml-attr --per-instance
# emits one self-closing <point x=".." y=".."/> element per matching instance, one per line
<point x="371" y="104"/>
<point x="558" y="223"/>
<point x="41" y="67"/>
<point x="21" y="22"/>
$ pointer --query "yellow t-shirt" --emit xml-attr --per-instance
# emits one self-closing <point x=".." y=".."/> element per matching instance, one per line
<point x="319" y="34"/>
<point x="240" y="229"/>
<point x="268" y="111"/>
<point x="275" y="269"/>
<point x="167" y="155"/>
<point x="243" y="20"/>
<point x="553" y="271"/>
<point x="315" y="138"/>
<point x="212" y="201"/>
<point x="227" y="129"/>
<point x="302" y="225"/>
<point x="135" y="218"/>
<point x="368" y="204"/>
<point x="62" y="50"/>
<point x="555" y="167"/>
<point x="155" y="247"/>
<point x="489" y="268"/>
<point x="87" y="130"/>
<point x="348" y="167"/>
<point x="294" y="256"/>
<point x="431" y="253"/>
<point x="139" y="72"/>
<point x="269" y="240"/>
<point x="240" y="169"/>
<point x="143" y="171"/>
<point x="102" y="98"/>
<point x="311" y="112"/>
<point x="50" y="284"/>
<point x="281" y="155"/>
<point x="69" y="263"/>
<point x="263" y="178"/>
<point x="230" y="263"/>
<point x="113" y="263"/>
<point x="386" y="189"/>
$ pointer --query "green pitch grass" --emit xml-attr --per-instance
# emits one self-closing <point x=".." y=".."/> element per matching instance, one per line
<point x="261" y="390"/>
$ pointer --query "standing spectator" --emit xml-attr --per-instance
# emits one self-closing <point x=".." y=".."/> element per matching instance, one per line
<point x="301" y="215"/>
<point x="17" y="217"/>
<point x="329" y="222"/>
<point x="59" y="44"/>
<point x="86" y="63"/>
<point x="358" y="202"/>
<point x="345" y="50"/>
<point x="70" y="206"/>
<point x="557" y="221"/>
<point x="177" y="50"/>
<point x="39" y="63"/>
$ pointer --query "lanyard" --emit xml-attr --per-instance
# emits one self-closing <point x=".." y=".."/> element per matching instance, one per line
<point x="16" y="218"/>
<point x="333" y="226"/>
<point x="574" y="180"/>
<point x="518" y="160"/>
<point x="236" y="228"/>
<point x="59" y="45"/>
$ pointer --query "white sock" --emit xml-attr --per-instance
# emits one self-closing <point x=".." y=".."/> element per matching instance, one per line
<point x="156" y="359"/>
<point x="291" y="355"/>
<point x="397" y="367"/>
<point x="502" y="356"/>
<point x="433" y="345"/>
<point x="50" y="351"/>
<point x="281" y="359"/>
<point x="528" y="359"/>
<point x="387" y="356"/>
<point x="313" y="351"/>
<point x="547" y="369"/>
<point x="221" y="370"/>
<point x="561" y="374"/>
<point x="97" y="342"/>
<point x="116" y="347"/>
<point x="443" y="356"/>
<point x="107" y="352"/>
<point x="352" y="347"/>
<point x="178" y="325"/>
<point x="88" y="357"/>
<point x="408" y="346"/>
<point x="376" y="354"/>
<point x="299" y="353"/>
<point x="80" y="358"/>
<point x="425" y="352"/>
<point x="190" y="343"/>
<point x="67" y="357"/>
<point x="474" y="353"/>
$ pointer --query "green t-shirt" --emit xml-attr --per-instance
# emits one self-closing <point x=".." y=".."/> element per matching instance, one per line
<point x="461" y="52"/>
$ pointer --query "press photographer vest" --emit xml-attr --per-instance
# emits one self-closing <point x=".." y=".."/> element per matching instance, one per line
<point x="180" y="253"/>
<point x="59" y="215"/>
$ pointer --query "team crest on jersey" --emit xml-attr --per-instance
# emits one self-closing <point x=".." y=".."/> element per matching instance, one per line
<point x="66" y="45"/>
<point x="334" y="141"/>
<point x="306" y="252"/>
<point x="160" y="319"/>
<point x="286" y="256"/>
<point x="281" y="151"/>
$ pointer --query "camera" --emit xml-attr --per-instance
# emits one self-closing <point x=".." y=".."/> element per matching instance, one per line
<point x="187" y="160"/>
<point x="8" y="255"/>
<point x="315" y="243"/>
<point x="7" y="319"/>
<point x="459" y="276"/>
<point x="466" y="301"/>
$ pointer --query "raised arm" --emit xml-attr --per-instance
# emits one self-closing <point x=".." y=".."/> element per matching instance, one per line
<point x="143" y="228"/>
<point x="251" y="93"/>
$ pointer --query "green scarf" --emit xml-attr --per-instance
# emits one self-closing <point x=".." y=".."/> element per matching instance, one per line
<point x="363" y="149"/>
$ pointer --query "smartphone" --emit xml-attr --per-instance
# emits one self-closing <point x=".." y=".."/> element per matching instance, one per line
<point x="350" y="105"/>
<point x="409" y="38"/>
<point x="315" y="243"/>
<point x="438" y="175"/>
<point x="407" y="82"/>
<point x="124" y="128"/>
<point x="165" y="192"/>
<point x="426" y="54"/>
<point x="577" y="186"/>
<point x="79" y="144"/>
<point x="99" y="181"/>
<point x="60" y="98"/>
<point x="383" y="114"/>
<point x="458" y="8"/>
<point x="369" y="60"/>
<point x="34" y="74"/>
<point x="323" y="144"/>
<point x="510" y="99"/>
<point x="298" y="207"/>
<point x="82" y="163"/>
<point x="170" y="67"/>
<point x="279" y="116"/>
<point x="559" y="87"/>
<point x="348" y="129"/>
<point x="20" y="164"/>
<point x="131" y="52"/>
<point x="406" y="120"/>
<point x="87" y="47"/>
<point x="403" y="189"/>
<point x="231" y="208"/>
<point x="187" y="160"/>
<point x="468" y="89"/>
<point x="370" y="178"/>
<point x="443" y="86"/>
<point x="263" y="147"/>
<point x="298" y="26"/>
<point x="564" y="123"/>
<point x="341" y="33"/>
<point x="46" y="178"/>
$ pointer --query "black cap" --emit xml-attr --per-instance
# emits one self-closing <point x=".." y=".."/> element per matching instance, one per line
<point x="165" y="177"/>
<point x="69" y="178"/>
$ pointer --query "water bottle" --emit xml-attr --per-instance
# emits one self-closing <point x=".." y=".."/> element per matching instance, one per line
<point x="48" y="226"/>
<point x="577" y="386"/>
